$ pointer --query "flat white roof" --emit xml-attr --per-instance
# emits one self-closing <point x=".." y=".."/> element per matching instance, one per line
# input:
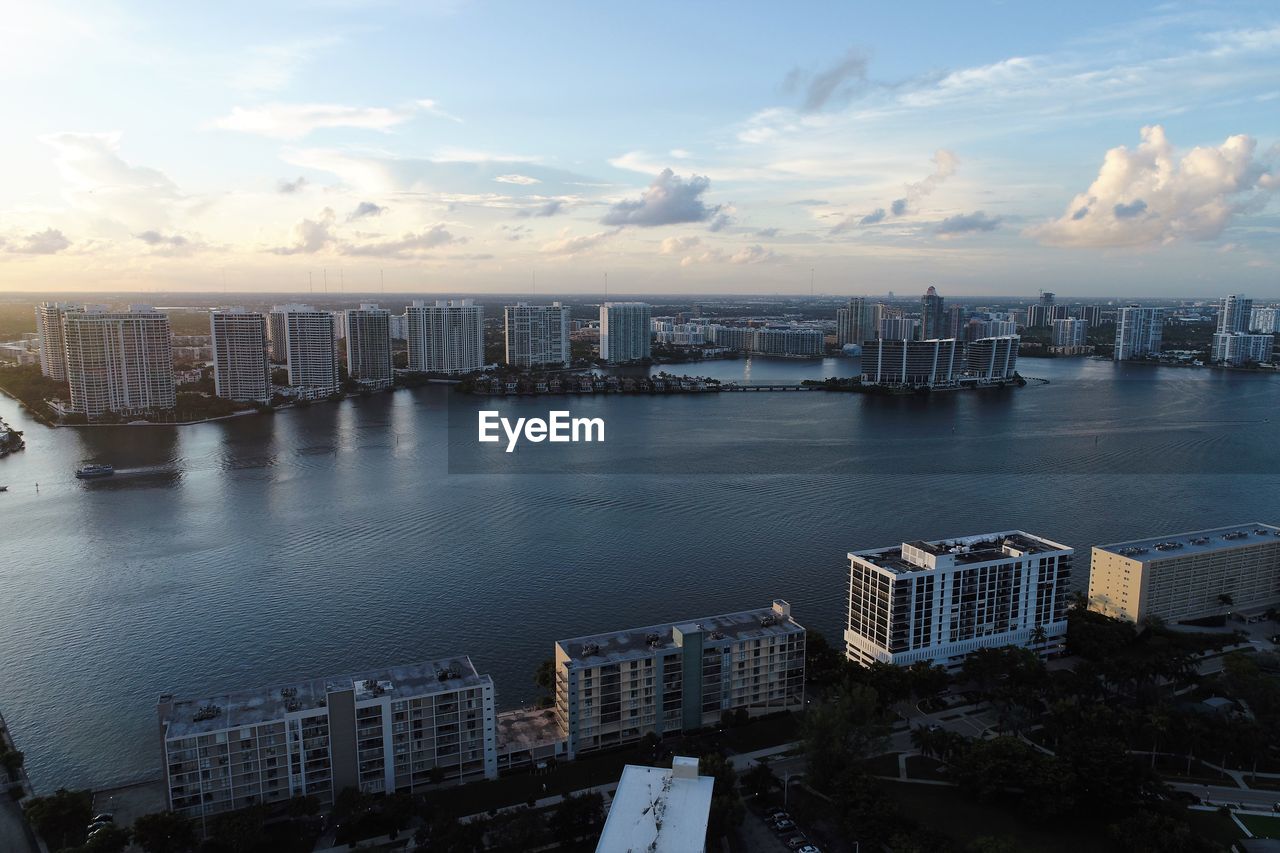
<point x="657" y="810"/>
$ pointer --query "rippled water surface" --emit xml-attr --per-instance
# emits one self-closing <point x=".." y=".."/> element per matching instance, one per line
<point x="324" y="540"/>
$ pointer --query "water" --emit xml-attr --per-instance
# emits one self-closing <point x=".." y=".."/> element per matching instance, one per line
<point x="325" y="540"/>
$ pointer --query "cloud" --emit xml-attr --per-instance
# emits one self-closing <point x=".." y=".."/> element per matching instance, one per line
<point x="100" y="182"/>
<point x="944" y="166"/>
<point x="47" y="242"/>
<point x="966" y="223"/>
<point x="411" y="245"/>
<point x="293" y="121"/>
<point x="522" y="180"/>
<point x="272" y="67"/>
<point x="515" y="232"/>
<point x="567" y="245"/>
<point x="873" y="217"/>
<point x="170" y="245"/>
<point x="548" y="208"/>
<point x="365" y="209"/>
<point x="752" y="255"/>
<point x="310" y="235"/>
<point x="1150" y="196"/>
<point x="839" y="82"/>
<point x="899" y="206"/>
<point x="155" y="238"/>
<point x="720" y="221"/>
<point x="291" y="187"/>
<point x="767" y="232"/>
<point x="669" y="200"/>
<point x="676" y="245"/>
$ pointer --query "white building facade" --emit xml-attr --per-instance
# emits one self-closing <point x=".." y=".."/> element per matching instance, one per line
<point x="1237" y="349"/>
<point x="369" y="345"/>
<point x="445" y="337"/>
<point x="53" y="347"/>
<point x="537" y="335"/>
<point x="625" y="332"/>
<point x="119" y="361"/>
<point x="310" y="350"/>
<point x="1139" y="332"/>
<point x="241" y="369"/>
<point x="915" y="364"/>
<point x="939" y="601"/>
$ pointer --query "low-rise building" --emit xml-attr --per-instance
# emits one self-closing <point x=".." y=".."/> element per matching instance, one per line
<point x="659" y="810"/>
<point x="617" y="687"/>
<point x="940" y="600"/>
<point x="1186" y="576"/>
<point x="402" y="728"/>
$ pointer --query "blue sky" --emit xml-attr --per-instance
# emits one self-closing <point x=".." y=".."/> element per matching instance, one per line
<point x="985" y="148"/>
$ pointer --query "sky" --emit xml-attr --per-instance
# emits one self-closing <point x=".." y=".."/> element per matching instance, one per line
<point x="438" y="146"/>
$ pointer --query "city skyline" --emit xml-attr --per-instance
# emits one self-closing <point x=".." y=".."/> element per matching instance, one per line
<point x="422" y="150"/>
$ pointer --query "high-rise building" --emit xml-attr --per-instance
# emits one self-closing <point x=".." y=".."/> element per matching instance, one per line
<point x="992" y="358"/>
<point x="939" y="601"/>
<point x="957" y="320"/>
<point x="798" y="341"/>
<point x="445" y="337"/>
<point x="1139" y="332"/>
<point x="310" y="350"/>
<point x="933" y="317"/>
<point x="915" y="364"/>
<point x="1186" y="576"/>
<point x="1264" y="321"/>
<point x="1091" y="314"/>
<point x="615" y="688"/>
<point x="241" y="369"/>
<point x="899" y="328"/>
<point x="53" y="348"/>
<point x="397" y="327"/>
<point x="858" y="321"/>
<point x="1070" y="333"/>
<point x="537" y="335"/>
<point x="1040" y="313"/>
<point x="624" y="332"/>
<point x="1236" y="348"/>
<point x="119" y="361"/>
<point x="1234" y="314"/>
<point x="278" y="348"/>
<point x="369" y="345"/>
<point x="404" y="728"/>
<point x="977" y="329"/>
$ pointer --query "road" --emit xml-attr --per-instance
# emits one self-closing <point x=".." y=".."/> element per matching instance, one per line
<point x="1254" y="799"/>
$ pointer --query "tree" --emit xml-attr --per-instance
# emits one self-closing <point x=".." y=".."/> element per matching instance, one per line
<point x="844" y="730"/>
<point x="577" y="816"/>
<point x="727" y="810"/>
<point x="545" y="675"/>
<point x="1147" y="832"/>
<point x="239" y="831"/>
<point x="61" y="817"/>
<point x="164" y="832"/>
<point x="109" y="839"/>
<point x="759" y="779"/>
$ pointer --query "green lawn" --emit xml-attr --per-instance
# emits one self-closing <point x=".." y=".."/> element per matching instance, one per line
<point x="1261" y="827"/>
<point x="883" y="765"/>
<point x="921" y="767"/>
<point x="1215" y="826"/>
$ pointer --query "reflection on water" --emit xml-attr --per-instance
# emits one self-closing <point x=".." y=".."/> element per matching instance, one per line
<point x="322" y="540"/>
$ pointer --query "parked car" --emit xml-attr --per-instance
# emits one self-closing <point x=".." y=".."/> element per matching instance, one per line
<point x="810" y="849"/>
<point x="104" y="817"/>
<point x="796" y="842"/>
<point x="784" y="826"/>
<point x="95" y="826"/>
<point x="775" y="814"/>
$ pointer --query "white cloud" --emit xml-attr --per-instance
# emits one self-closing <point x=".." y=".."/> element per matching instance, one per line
<point x="669" y="200"/>
<point x="676" y="245"/>
<point x="568" y="245"/>
<point x="1148" y="195"/>
<point x="100" y="182"/>
<point x="410" y="245"/>
<point x="272" y="67"/>
<point x="293" y="121"/>
<point x="310" y="235"/>
<point x="522" y="180"/>
<point x="47" y="242"/>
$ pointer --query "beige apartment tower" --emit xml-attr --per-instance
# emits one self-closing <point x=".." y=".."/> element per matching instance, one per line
<point x="1188" y="575"/>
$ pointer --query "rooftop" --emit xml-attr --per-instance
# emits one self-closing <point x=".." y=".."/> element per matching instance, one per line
<point x="923" y="556"/>
<point x="596" y="649"/>
<point x="1194" y="542"/>
<point x="187" y="717"/>
<point x="659" y="810"/>
<point x="527" y="729"/>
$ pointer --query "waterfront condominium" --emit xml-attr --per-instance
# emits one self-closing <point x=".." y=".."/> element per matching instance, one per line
<point x="1234" y="314"/>
<point x="857" y="322"/>
<point x="119" y="361"/>
<point x="1186" y="576"/>
<point x="241" y="370"/>
<point x="617" y="687"/>
<point x="53" y="348"/>
<point x="913" y="364"/>
<point x="1265" y="321"/>
<point x="403" y="728"/>
<point x="992" y="358"/>
<point x="1138" y="332"/>
<point x="369" y="346"/>
<point x="277" y="344"/>
<point x="625" y="329"/>
<point x="445" y="337"/>
<point x="1070" y="334"/>
<point x="537" y="335"/>
<point x="933" y="316"/>
<point x="310" y="350"/>
<point x="939" y="601"/>
<point x="1238" y="348"/>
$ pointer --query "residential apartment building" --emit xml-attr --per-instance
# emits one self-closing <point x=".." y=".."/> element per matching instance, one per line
<point x="1237" y="348"/>
<point x="891" y="361"/>
<point x="933" y="316"/>
<point x="795" y="342"/>
<point x="899" y="328"/>
<point x="1188" y="575"/>
<point x="1070" y="334"/>
<point x="445" y="337"/>
<point x="241" y="369"/>
<point x="1091" y="314"/>
<point x="119" y="361"/>
<point x="53" y="347"/>
<point x="625" y="332"/>
<point x="1139" y="332"/>
<point x="992" y="358"/>
<point x="977" y="329"/>
<point x="939" y="601"/>
<point x="858" y="321"/>
<point x="310" y="350"/>
<point x="369" y="345"/>
<point x="1234" y="314"/>
<point x="1264" y="321"/>
<point x="1045" y="311"/>
<point x="617" y="687"/>
<point x="658" y="809"/>
<point x="537" y="335"/>
<point x="404" y="728"/>
<point x="277" y="345"/>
